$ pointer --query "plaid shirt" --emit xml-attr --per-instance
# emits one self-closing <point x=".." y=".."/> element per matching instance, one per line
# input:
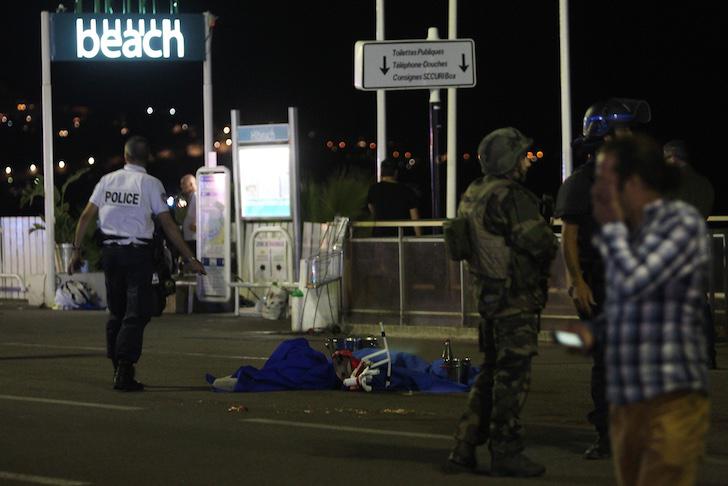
<point x="656" y="285"/>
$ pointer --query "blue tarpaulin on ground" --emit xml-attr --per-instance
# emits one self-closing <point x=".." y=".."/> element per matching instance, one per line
<point x="294" y="365"/>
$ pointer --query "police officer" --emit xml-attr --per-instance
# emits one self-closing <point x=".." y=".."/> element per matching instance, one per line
<point x="603" y="121"/>
<point x="512" y="248"/>
<point x="125" y="201"/>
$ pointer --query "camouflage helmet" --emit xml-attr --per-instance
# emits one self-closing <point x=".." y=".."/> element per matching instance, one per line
<point x="501" y="150"/>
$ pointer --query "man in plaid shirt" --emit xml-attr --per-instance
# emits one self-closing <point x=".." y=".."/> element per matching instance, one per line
<point x="656" y="258"/>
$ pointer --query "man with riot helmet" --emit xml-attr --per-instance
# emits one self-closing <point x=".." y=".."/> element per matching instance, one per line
<point x="604" y="120"/>
<point x="511" y="247"/>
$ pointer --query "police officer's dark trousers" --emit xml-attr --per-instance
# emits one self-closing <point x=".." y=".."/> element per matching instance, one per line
<point x="599" y="417"/>
<point x="128" y="272"/>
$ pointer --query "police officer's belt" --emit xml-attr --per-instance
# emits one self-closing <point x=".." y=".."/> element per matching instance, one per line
<point x="106" y="240"/>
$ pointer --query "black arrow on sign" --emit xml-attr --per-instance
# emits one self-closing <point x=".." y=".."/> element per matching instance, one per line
<point x="464" y="66"/>
<point x="384" y="67"/>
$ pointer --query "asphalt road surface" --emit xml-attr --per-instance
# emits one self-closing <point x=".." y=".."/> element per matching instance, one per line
<point x="62" y="424"/>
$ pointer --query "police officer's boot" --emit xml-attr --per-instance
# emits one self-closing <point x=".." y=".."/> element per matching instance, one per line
<point x="124" y="378"/>
<point x="600" y="449"/>
<point x="515" y="465"/>
<point x="461" y="458"/>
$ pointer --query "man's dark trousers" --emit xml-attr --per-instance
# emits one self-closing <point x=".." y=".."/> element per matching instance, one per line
<point x="128" y="272"/>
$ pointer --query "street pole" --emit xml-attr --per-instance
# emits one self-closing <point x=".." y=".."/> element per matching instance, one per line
<point x="381" y="99"/>
<point x="207" y="90"/>
<point x="434" y="145"/>
<point x="48" y="182"/>
<point x="452" y="121"/>
<point x="567" y="164"/>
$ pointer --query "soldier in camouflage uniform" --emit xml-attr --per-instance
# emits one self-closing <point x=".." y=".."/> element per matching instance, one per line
<point x="512" y="248"/>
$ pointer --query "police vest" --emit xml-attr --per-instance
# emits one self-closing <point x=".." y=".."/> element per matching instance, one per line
<point x="490" y="255"/>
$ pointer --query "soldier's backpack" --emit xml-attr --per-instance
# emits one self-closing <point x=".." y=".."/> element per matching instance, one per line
<point x="457" y="238"/>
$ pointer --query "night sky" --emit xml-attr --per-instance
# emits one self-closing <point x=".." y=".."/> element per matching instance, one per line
<point x="273" y="54"/>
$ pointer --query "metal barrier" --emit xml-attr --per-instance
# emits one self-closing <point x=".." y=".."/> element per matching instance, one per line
<point x="410" y="280"/>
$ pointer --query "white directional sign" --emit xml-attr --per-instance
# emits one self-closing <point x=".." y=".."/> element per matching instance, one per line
<point x="414" y="64"/>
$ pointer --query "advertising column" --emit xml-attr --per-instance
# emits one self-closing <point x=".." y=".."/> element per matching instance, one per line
<point x="213" y="233"/>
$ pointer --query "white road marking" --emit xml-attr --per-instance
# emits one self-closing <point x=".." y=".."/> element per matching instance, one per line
<point x="339" y="428"/>
<point x="93" y="348"/>
<point x="29" y="478"/>
<point x="52" y="401"/>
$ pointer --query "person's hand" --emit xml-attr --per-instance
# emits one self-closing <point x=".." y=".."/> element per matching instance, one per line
<point x="196" y="266"/>
<point x="583" y="298"/>
<point x="75" y="264"/>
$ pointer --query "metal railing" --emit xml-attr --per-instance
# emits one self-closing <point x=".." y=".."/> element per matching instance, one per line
<point x="385" y="274"/>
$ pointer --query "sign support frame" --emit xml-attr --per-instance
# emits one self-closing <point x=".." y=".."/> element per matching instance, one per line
<point x="47" y="131"/>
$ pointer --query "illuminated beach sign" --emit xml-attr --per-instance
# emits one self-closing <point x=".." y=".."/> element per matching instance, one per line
<point x="98" y="37"/>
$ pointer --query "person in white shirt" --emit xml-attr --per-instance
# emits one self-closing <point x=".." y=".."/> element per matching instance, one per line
<point x="124" y="201"/>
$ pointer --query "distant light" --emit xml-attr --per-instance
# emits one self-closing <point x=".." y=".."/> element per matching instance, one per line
<point x="185" y="126"/>
<point x="28" y="119"/>
<point x="172" y="111"/>
<point x="342" y="145"/>
<point x="91" y="161"/>
<point x="539" y="154"/>
<point x="361" y="144"/>
<point x="10" y="180"/>
<point x="411" y="162"/>
<point x="395" y="154"/>
<point x="150" y="110"/>
<point x="76" y="122"/>
<point x="4" y="119"/>
<point x="21" y="107"/>
<point x="466" y="156"/>
<point x="329" y="144"/>
<point x="170" y="201"/>
<point x="10" y="123"/>
<point x="181" y="203"/>
<point x="8" y="170"/>
<point x="124" y="130"/>
<point x="372" y="146"/>
<point x="226" y="130"/>
<point x="36" y="181"/>
<point x="228" y="142"/>
<point x="63" y="133"/>
<point x="33" y="168"/>
<point x="216" y="144"/>
<point x="408" y="155"/>
<point x="61" y="165"/>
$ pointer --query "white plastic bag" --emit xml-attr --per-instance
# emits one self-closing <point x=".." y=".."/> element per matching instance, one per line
<point x="74" y="294"/>
<point x="275" y="303"/>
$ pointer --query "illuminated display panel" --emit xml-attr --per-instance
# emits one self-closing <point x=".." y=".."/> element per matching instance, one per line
<point x="265" y="184"/>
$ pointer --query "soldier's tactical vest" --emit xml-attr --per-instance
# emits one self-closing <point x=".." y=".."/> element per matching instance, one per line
<point x="490" y="257"/>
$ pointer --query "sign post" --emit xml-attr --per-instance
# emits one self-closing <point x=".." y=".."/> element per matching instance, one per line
<point x="421" y="64"/>
<point x="77" y="36"/>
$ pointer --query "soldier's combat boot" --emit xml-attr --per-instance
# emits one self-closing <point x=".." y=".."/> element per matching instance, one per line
<point x="517" y="465"/>
<point x="124" y="378"/>
<point x="461" y="458"/>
